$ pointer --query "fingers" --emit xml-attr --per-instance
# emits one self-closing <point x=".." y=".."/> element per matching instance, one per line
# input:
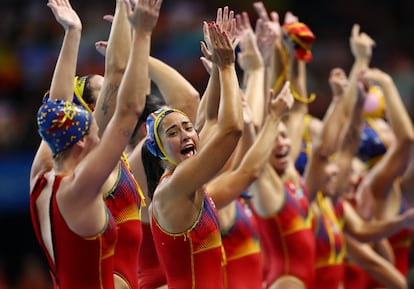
<point x="205" y="51"/>
<point x="261" y="11"/>
<point x="109" y="18"/>
<point x="355" y="30"/>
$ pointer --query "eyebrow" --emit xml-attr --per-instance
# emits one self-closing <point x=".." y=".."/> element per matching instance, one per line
<point x="186" y="122"/>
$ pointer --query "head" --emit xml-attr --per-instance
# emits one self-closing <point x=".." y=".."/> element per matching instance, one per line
<point x="86" y="90"/>
<point x="280" y="156"/>
<point x="358" y="171"/>
<point x="302" y="38"/>
<point x="376" y="137"/>
<point x="152" y="103"/>
<point x="171" y="136"/>
<point x="374" y="105"/>
<point x="331" y="172"/>
<point x="62" y="124"/>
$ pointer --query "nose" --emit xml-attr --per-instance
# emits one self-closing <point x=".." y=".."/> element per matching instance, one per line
<point x="185" y="135"/>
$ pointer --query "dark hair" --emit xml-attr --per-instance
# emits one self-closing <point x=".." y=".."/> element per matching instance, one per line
<point x="153" y="170"/>
<point x="87" y="92"/>
<point x="152" y="103"/>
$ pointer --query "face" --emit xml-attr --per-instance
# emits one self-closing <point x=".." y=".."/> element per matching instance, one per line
<point x="178" y="137"/>
<point x="280" y="156"/>
<point x="331" y="172"/>
<point x="357" y="173"/>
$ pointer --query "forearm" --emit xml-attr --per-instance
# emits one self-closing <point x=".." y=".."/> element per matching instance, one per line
<point x="65" y="69"/>
<point x="255" y="95"/>
<point x="376" y="230"/>
<point x="295" y="123"/>
<point x="116" y="59"/>
<point x="259" y="153"/>
<point x="396" y="111"/>
<point x="230" y="115"/>
<point x="134" y="84"/>
<point x="376" y="266"/>
<point x="175" y="89"/>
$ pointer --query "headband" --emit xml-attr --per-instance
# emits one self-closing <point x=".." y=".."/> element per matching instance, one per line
<point x="153" y="141"/>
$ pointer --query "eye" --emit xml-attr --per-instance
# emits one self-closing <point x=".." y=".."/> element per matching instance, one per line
<point x="190" y="128"/>
<point x="172" y="133"/>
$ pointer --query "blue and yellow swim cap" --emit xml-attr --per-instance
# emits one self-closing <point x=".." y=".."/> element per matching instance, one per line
<point x="79" y="90"/>
<point x="371" y="146"/>
<point x="62" y="124"/>
<point x="153" y="141"/>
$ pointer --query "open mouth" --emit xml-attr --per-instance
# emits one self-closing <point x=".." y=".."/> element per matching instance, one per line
<point x="188" y="150"/>
<point x="282" y="154"/>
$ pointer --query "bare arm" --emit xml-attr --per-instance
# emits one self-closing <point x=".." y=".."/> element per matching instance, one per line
<point x="116" y="58"/>
<point x="227" y="187"/>
<point x="175" y="89"/>
<point x="64" y="73"/>
<point x="379" y="180"/>
<point x="375" y="230"/>
<point x="251" y="62"/>
<point x="380" y="269"/>
<point x="209" y="160"/>
<point x="130" y="102"/>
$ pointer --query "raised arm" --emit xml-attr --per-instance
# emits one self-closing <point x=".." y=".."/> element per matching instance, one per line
<point x="296" y="74"/>
<point x="207" y="116"/>
<point x="379" y="180"/>
<point x="230" y="185"/>
<point x="130" y="101"/>
<point x="324" y="147"/>
<point x="251" y="62"/>
<point x="116" y="58"/>
<point x="175" y="89"/>
<point x="64" y="73"/>
<point x="217" y="149"/>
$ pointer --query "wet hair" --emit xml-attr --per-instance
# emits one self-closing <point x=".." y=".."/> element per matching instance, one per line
<point x="153" y="169"/>
<point x="89" y="98"/>
<point x="152" y="103"/>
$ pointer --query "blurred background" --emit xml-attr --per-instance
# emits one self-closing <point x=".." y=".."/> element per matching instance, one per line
<point x="30" y="40"/>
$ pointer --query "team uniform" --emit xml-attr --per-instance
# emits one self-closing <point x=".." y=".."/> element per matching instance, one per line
<point x="79" y="262"/>
<point x="124" y="202"/>
<point x="330" y="245"/>
<point x="194" y="258"/>
<point x="288" y="242"/>
<point x="150" y="274"/>
<point x="242" y="247"/>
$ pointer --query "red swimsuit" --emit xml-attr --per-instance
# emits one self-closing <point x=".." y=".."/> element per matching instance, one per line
<point x="243" y="253"/>
<point x="124" y="202"/>
<point x="81" y="263"/>
<point x="192" y="259"/>
<point x="288" y="242"/>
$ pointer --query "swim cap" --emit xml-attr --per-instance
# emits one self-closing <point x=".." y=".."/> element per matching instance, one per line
<point x="79" y="86"/>
<point x="374" y="105"/>
<point x="303" y="37"/>
<point x="153" y="141"/>
<point x="371" y="146"/>
<point x="62" y="124"/>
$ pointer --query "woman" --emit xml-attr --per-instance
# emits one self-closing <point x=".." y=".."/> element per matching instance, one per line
<point x="79" y="218"/>
<point x="188" y="240"/>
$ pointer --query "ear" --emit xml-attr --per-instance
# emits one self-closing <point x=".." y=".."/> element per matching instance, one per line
<point x="81" y="143"/>
<point x="143" y="129"/>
